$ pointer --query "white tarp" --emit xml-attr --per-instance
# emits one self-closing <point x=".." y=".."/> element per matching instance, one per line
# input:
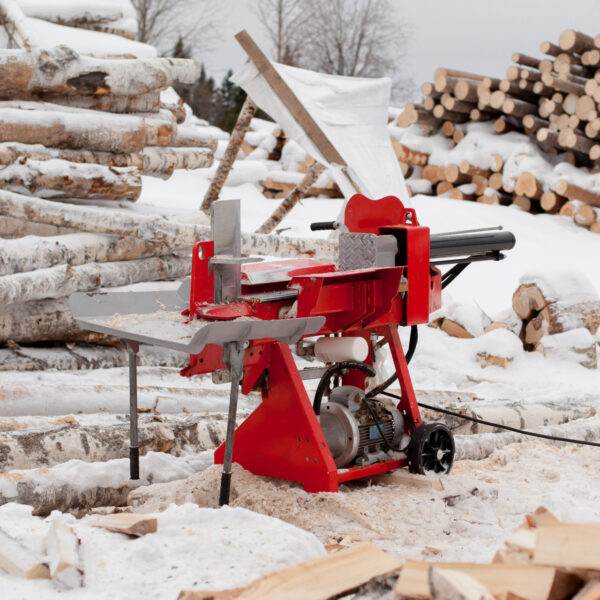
<point x="351" y="111"/>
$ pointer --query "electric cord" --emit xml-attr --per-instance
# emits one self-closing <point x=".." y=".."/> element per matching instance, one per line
<point x="498" y="425"/>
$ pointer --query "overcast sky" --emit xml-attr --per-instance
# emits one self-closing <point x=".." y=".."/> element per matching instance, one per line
<point x="471" y="35"/>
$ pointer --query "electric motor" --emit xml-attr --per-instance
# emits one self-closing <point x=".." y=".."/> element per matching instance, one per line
<point x="359" y="430"/>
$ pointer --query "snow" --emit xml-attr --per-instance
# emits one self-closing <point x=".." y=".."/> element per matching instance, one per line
<point x="85" y="41"/>
<point x="193" y="548"/>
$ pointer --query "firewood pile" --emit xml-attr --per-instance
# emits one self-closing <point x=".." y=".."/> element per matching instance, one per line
<point x="78" y="130"/>
<point x="556" y="314"/>
<point x="288" y="163"/>
<point x="544" y="559"/>
<point x="552" y="101"/>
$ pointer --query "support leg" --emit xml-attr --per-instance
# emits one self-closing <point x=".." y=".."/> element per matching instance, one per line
<point x="134" y="451"/>
<point x="233" y="357"/>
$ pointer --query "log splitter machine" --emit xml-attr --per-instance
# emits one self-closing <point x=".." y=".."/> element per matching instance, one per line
<point x="243" y="315"/>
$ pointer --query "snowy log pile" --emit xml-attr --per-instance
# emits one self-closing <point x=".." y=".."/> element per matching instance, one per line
<point x="77" y="127"/>
<point x="552" y="102"/>
<point x="560" y="315"/>
<point x="556" y="314"/>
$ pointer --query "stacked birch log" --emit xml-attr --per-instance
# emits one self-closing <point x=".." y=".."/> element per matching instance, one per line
<point x="266" y="141"/>
<point x="83" y="130"/>
<point x="554" y="100"/>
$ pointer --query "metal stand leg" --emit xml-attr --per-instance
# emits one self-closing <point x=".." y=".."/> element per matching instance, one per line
<point x="233" y="357"/>
<point x="134" y="451"/>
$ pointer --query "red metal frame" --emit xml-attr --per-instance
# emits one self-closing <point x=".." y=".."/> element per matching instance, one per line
<point x="282" y="437"/>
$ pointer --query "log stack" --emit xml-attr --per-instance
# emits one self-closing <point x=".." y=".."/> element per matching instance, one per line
<point x="553" y="101"/>
<point x="560" y="316"/>
<point x="77" y="128"/>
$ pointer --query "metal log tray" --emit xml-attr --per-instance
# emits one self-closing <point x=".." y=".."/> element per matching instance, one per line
<point x="154" y="317"/>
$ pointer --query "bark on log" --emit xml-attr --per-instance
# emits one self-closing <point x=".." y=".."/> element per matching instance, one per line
<point x="18" y="228"/>
<point x="75" y="357"/>
<point x="55" y="282"/>
<point x="575" y="41"/>
<point x="237" y="135"/>
<point x="550" y="49"/>
<point x="574" y="192"/>
<point x="62" y="70"/>
<point x="44" y="321"/>
<point x="29" y="254"/>
<point x="106" y="132"/>
<point x="478" y="447"/>
<point x="560" y="316"/>
<point x="70" y="440"/>
<point x="407" y="155"/>
<point x="149" y="102"/>
<point x="153" y="161"/>
<point x="292" y="199"/>
<point x="152" y="229"/>
<point x="56" y="178"/>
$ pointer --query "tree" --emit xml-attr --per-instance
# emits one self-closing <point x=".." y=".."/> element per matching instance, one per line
<point x="285" y="22"/>
<point x="196" y="22"/>
<point x="359" y="38"/>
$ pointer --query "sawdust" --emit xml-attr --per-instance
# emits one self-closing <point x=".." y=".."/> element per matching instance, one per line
<point x="464" y="516"/>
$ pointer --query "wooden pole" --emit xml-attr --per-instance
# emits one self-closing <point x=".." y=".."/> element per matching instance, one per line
<point x="235" y="141"/>
<point x="295" y="195"/>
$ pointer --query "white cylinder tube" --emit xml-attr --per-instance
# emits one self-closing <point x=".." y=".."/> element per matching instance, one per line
<point x="337" y="349"/>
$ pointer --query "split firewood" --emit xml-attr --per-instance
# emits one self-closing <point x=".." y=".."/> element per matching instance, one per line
<point x="17" y="560"/>
<point x="590" y="591"/>
<point x="318" y="578"/>
<point x="296" y="194"/>
<point x="56" y="178"/>
<point x="62" y="70"/>
<point x="55" y="282"/>
<point x="105" y="132"/>
<point x="128" y="523"/>
<point x="576" y="345"/>
<point x="530" y="581"/>
<point x="237" y="135"/>
<point x="568" y="545"/>
<point x="447" y="584"/>
<point x="62" y="546"/>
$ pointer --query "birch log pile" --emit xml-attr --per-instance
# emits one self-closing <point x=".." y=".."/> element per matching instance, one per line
<point x="554" y="100"/>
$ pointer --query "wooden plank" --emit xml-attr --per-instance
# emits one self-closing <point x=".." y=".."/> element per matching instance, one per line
<point x="532" y="582"/>
<point x="128" y="523"/>
<point x="62" y="546"/>
<point x="289" y="99"/>
<point x="447" y="584"/>
<point x="314" y="579"/>
<point x="590" y="591"/>
<point x="572" y="545"/>
<point x="18" y="560"/>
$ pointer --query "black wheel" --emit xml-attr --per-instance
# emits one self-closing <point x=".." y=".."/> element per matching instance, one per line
<point x="431" y="449"/>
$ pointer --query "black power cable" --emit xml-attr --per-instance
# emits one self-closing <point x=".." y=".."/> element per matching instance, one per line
<point x="498" y="425"/>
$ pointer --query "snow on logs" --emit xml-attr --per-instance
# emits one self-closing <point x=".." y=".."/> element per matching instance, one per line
<point x="555" y="100"/>
<point x="61" y="70"/>
<point x="559" y="313"/>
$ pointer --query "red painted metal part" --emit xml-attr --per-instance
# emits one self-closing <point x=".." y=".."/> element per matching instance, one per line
<point x="282" y="437"/>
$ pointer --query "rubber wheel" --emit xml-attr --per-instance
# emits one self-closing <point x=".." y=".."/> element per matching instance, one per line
<point x="431" y="450"/>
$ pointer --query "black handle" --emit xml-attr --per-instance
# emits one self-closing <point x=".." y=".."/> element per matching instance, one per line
<point x="322" y="225"/>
